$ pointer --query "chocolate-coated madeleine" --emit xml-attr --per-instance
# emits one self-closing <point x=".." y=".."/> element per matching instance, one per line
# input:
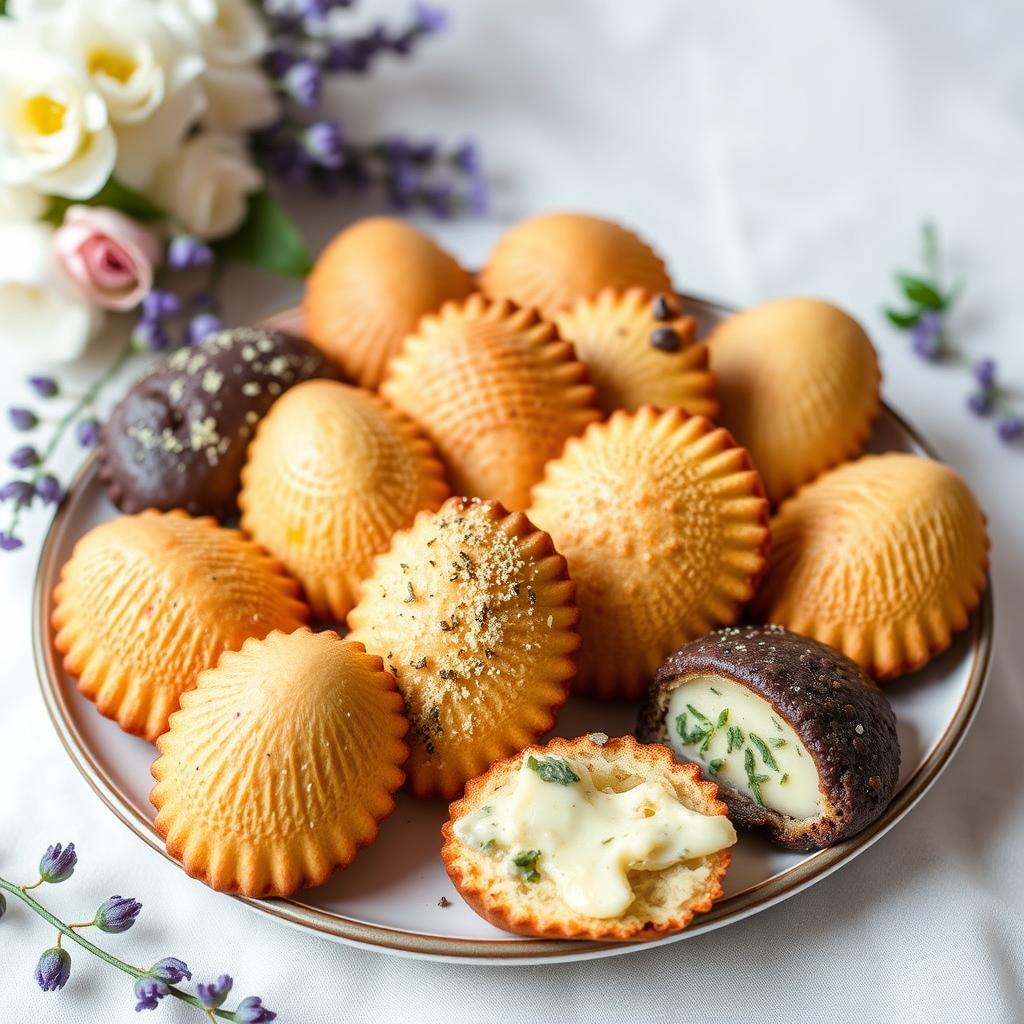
<point x="800" y="741"/>
<point x="178" y="437"/>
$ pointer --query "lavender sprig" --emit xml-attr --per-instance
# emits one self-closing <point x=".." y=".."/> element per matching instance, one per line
<point x="929" y="303"/>
<point x="115" y="915"/>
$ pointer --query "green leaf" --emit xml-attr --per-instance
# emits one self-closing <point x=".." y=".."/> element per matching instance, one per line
<point x="552" y="769"/>
<point x="526" y="861"/>
<point x="766" y="755"/>
<point x="113" y="194"/>
<point x="921" y="292"/>
<point x="268" y="239"/>
<point x="902" y="320"/>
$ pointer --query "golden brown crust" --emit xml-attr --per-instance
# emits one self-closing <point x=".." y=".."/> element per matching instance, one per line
<point x="665" y="527"/>
<point x="148" y="601"/>
<point x="475" y="615"/>
<point x="281" y="764"/>
<point x="626" y="763"/>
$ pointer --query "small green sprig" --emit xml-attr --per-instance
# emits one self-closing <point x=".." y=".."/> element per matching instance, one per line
<point x="754" y="781"/>
<point x="526" y="861"/>
<point x="552" y="769"/>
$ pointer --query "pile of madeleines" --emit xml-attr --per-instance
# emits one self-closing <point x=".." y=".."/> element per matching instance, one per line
<point x="512" y="486"/>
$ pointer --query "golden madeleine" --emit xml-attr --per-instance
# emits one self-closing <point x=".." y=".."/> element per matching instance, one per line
<point x="640" y="349"/>
<point x="665" y="528"/>
<point x="798" y="386"/>
<point x="370" y="287"/>
<point x="332" y="473"/>
<point x="883" y="558"/>
<point x="473" y="612"/>
<point x="146" y="602"/>
<point x="280" y="764"/>
<point x="496" y="391"/>
<point x="551" y="260"/>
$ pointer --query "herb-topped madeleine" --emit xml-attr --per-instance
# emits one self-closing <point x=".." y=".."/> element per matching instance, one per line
<point x="665" y="528"/>
<point x="800" y="741"/>
<point x="589" y="838"/>
<point x="640" y="349"/>
<point x="474" y="614"/>
<point x="551" y="260"/>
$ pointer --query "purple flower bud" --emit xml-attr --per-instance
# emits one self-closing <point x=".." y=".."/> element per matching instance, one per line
<point x="277" y="60"/>
<point x="49" y="489"/>
<point x="88" y="433"/>
<point x="44" y="387"/>
<point x="117" y="914"/>
<point x="479" y="199"/>
<point x="53" y="970"/>
<point x="252" y="1011"/>
<point x="170" y="969"/>
<point x="985" y="373"/>
<point x="24" y="457"/>
<point x="467" y="158"/>
<point x="303" y="82"/>
<point x="980" y="402"/>
<point x="214" y="994"/>
<point x="23" y="419"/>
<point x="323" y="142"/>
<point x="187" y="251"/>
<point x="430" y="19"/>
<point x="58" y="863"/>
<point x="150" y="336"/>
<point x="440" y="198"/>
<point x="202" y="326"/>
<point x="21" y="492"/>
<point x="1010" y="429"/>
<point x="8" y="542"/>
<point x="149" y="991"/>
<point x="158" y="305"/>
<point x="926" y="338"/>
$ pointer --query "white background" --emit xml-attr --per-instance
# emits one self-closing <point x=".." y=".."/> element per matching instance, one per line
<point x="766" y="149"/>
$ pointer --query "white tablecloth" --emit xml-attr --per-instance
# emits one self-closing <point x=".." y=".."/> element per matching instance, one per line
<point x="767" y="149"/>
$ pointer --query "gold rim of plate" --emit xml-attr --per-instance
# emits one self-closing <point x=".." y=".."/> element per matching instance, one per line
<point x="392" y="940"/>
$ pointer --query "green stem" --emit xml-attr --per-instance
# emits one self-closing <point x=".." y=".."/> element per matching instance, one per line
<point x="67" y="931"/>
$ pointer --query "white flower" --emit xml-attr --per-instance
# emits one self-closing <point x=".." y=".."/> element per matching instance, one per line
<point x="19" y="203"/>
<point x="55" y="134"/>
<point x="43" y="317"/>
<point x="147" y="74"/>
<point x="205" y="184"/>
<point x="232" y="38"/>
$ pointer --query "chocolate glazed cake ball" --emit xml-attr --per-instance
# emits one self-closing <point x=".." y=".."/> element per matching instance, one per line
<point x="800" y="741"/>
<point x="178" y="437"/>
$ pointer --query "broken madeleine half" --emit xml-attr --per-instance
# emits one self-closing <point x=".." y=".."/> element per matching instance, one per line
<point x="800" y="741"/>
<point x="589" y="838"/>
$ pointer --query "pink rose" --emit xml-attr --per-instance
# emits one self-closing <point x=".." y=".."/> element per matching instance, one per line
<point x="108" y="255"/>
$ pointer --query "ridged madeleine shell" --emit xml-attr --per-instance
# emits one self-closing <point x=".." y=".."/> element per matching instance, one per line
<point x="146" y="602"/>
<point x="332" y="473"/>
<point x="473" y="612"/>
<point x="883" y="558"/>
<point x="635" y="357"/>
<point x="551" y="260"/>
<point x="497" y="393"/>
<point x="798" y="384"/>
<point x="280" y="764"/>
<point x="665" y="528"/>
<point x="370" y="287"/>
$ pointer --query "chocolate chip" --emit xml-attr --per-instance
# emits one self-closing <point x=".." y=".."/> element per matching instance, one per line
<point x="666" y="339"/>
<point x="661" y="308"/>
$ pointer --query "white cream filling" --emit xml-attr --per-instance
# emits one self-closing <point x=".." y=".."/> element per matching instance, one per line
<point x="742" y="741"/>
<point x="586" y="840"/>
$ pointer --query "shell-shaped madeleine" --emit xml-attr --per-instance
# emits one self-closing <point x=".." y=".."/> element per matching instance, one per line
<point x="369" y="289"/>
<point x="473" y="612"/>
<point x="665" y="528"/>
<point x="798" y="385"/>
<point x="146" y="602"/>
<point x="280" y="764"/>
<point x="640" y="350"/>
<point x="551" y="260"/>
<point x="332" y="473"/>
<point x="497" y="392"/>
<point x="883" y="558"/>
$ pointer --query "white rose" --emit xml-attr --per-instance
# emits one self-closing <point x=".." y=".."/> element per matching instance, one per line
<point x="205" y="184"/>
<point x="232" y="38"/>
<point x="147" y="74"/>
<point x="55" y="135"/>
<point x="43" y="317"/>
<point x="19" y="203"/>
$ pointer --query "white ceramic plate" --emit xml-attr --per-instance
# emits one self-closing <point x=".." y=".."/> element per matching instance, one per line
<point x="389" y="898"/>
